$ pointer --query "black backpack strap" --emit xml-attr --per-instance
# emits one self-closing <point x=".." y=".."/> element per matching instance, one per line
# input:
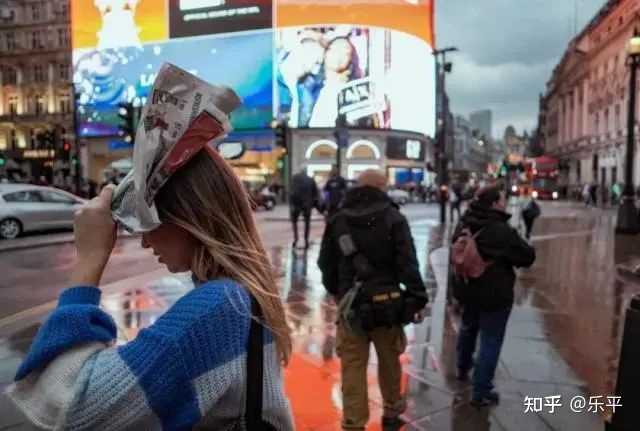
<point x="349" y="249"/>
<point x="255" y="371"/>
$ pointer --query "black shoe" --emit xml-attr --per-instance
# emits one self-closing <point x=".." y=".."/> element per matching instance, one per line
<point x="490" y="399"/>
<point x="392" y="424"/>
<point x="462" y="376"/>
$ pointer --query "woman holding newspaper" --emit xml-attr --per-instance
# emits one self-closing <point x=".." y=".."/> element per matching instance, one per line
<point x="213" y="360"/>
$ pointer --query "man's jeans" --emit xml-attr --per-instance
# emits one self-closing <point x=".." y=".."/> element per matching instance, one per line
<point x="491" y="326"/>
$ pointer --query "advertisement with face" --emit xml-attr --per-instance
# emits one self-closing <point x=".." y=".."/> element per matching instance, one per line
<point x="370" y="75"/>
<point x="119" y="45"/>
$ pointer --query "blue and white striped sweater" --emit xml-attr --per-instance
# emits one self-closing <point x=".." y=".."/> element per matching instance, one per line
<point x="187" y="370"/>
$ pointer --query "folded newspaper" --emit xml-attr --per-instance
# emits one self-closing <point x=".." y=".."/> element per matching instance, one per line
<point x="183" y="114"/>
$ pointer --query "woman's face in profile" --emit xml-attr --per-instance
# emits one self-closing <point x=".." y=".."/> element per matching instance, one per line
<point x="173" y="245"/>
<point x="338" y="55"/>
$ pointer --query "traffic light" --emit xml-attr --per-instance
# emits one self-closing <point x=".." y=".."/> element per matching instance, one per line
<point x="3" y="160"/>
<point x="280" y="133"/>
<point x="126" y="127"/>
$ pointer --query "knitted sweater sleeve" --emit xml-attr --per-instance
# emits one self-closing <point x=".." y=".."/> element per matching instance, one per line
<point x="74" y="378"/>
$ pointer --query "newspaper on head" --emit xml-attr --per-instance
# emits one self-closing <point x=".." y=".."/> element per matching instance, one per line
<point x="183" y="114"/>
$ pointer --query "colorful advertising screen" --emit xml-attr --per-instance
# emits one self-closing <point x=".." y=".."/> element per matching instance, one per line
<point x="119" y="45"/>
<point x="369" y="61"/>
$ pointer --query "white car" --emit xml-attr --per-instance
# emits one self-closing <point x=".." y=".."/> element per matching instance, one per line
<point x="399" y="196"/>
<point x="25" y="207"/>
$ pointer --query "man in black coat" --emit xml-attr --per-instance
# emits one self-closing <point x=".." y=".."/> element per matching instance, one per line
<point x="381" y="233"/>
<point x="334" y="191"/>
<point x="303" y="197"/>
<point x="488" y="299"/>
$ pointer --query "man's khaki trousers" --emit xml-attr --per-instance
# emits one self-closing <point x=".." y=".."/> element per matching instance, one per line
<point x="353" y="350"/>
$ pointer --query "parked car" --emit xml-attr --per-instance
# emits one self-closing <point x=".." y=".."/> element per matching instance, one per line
<point x="399" y="196"/>
<point x="25" y="208"/>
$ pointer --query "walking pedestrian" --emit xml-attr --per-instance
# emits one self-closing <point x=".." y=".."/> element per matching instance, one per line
<point x="593" y="194"/>
<point x="586" y="194"/>
<point x="304" y="197"/>
<point x="367" y="252"/>
<point x="455" y="199"/>
<point x="530" y="213"/>
<point x="190" y="369"/>
<point x="334" y="191"/>
<point x="487" y="300"/>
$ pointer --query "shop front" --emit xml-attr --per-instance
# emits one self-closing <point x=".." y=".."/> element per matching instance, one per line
<point x="402" y="155"/>
<point x="29" y="165"/>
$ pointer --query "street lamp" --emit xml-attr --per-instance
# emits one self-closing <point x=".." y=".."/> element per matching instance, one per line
<point x="628" y="222"/>
<point x="442" y="163"/>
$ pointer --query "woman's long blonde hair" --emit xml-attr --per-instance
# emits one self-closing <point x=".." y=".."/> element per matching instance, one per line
<point x="207" y="199"/>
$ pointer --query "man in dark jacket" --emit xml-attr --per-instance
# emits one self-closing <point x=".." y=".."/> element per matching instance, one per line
<point x="303" y="197"/>
<point x="381" y="233"/>
<point x="334" y="191"/>
<point x="488" y="299"/>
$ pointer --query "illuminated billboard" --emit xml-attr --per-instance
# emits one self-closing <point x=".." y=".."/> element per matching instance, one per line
<point x="368" y="60"/>
<point x="119" y="45"/>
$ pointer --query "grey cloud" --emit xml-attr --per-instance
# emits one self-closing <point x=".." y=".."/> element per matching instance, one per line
<point x="508" y="49"/>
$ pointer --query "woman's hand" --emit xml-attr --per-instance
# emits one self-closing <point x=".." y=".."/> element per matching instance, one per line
<point x="95" y="236"/>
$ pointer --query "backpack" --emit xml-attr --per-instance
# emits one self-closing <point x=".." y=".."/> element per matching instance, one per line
<point x="465" y="258"/>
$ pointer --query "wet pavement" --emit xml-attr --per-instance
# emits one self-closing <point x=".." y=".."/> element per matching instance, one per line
<point x="562" y="339"/>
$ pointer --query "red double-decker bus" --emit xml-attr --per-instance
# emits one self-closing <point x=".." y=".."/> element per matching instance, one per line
<point x="542" y="177"/>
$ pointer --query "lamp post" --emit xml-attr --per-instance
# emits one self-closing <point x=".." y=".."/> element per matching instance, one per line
<point x="442" y="162"/>
<point x="628" y="222"/>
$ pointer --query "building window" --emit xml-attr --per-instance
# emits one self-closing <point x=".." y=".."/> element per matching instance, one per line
<point x="606" y="121"/>
<point x="36" y="11"/>
<point x="35" y="40"/>
<point x="63" y="37"/>
<point x="597" y="122"/>
<point x="13" y="105"/>
<point x="617" y="117"/>
<point x="41" y="105"/>
<point x="63" y="71"/>
<point x="65" y="104"/>
<point x="39" y="73"/>
<point x="10" y="39"/>
<point x="10" y="77"/>
<point x="7" y="15"/>
<point x="13" y="139"/>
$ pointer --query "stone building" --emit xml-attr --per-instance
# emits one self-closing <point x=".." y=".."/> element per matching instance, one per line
<point x="584" y="109"/>
<point x="35" y="89"/>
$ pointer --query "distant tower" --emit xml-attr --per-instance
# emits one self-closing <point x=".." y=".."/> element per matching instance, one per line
<point x="118" y="24"/>
<point x="482" y="122"/>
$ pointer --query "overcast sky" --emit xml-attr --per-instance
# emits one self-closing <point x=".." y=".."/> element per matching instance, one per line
<point x="508" y="49"/>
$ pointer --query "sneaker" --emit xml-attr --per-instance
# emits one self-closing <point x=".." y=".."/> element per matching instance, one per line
<point x="462" y="376"/>
<point x="392" y="424"/>
<point x="488" y="399"/>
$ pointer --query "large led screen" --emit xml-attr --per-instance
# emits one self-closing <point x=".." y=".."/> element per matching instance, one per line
<point x="376" y="77"/>
<point x="118" y="46"/>
<point x="370" y="60"/>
